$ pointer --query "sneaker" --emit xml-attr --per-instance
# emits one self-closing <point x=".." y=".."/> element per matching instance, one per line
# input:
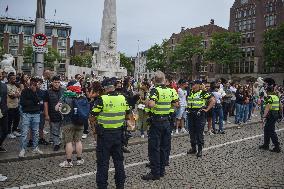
<point x="84" y="136"/>
<point x="183" y="130"/>
<point x="142" y="136"/>
<point x="210" y="133"/>
<point x="66" y="164"/>
<point x="214" y="131"/>
<point x="42" y="141"/>
<point x="22" y="153"/>
<point x="221" y="132"/>
<point x="37" y="151"/>
<point x="17" y="134"/>
<point x="80" y="162"/>
<point x="229" y="122"/>
<point x="11" y="136"/>
<point x="30" y="144"/>
<point x="56" y="148"/>
<point x="176" y="131"/>
<point x="2" y="178"/>
<point x="2" y="150"/>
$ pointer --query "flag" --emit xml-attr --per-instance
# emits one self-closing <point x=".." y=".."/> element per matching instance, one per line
<point x="7" y="8"/>
<point x="54" y="12"/>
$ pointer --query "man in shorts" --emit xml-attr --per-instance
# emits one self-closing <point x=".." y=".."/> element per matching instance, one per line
<point x="71" y="132"/>
<point x="181" y="111"/>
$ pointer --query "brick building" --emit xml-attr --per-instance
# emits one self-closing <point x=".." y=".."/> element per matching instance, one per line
<point x="16" y="34"/>
<point x="252" y="18"/>
<point x="80" y="48"/>
<point x="200" y="70"/>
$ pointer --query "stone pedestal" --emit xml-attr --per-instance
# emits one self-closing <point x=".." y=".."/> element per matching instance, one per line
<point x="106" y="62"/>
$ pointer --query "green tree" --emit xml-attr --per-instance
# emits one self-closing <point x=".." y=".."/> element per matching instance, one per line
<point x="273" y="47"/>
<point x="87" y="59"/>
<point x="51" y="57"/>
<point x="28" y="55"/>
<point x="127" y="63"/>
<point x="183" y="53"/>
<point x="82" y="60"/>
<point x="157" y="57"/>
<point x="224" y="48"/>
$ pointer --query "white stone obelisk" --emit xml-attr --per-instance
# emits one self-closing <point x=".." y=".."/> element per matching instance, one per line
<point x="106" y="62"/>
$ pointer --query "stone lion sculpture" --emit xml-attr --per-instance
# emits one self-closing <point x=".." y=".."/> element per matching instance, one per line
<point x="6" y="63"/>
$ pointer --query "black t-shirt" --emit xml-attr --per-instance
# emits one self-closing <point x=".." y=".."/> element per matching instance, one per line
<point x="3" y="98"/>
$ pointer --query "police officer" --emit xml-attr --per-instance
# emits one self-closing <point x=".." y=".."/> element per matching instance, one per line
<point x="196" y="116"/>
<point x="271" y="114"/>
<point x="159" y="136"/>
<point x="109" y="113"/>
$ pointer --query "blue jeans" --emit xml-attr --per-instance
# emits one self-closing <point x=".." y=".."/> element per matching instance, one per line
<point x="251" y="104"/>
<point x="245" y="112"/>
<point x="218" y="112"/>
<point x="239" y="115"/>
<point x="30" y="122"/>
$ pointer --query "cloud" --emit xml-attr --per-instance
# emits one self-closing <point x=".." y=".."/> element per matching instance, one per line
<point x="149" y="21"/>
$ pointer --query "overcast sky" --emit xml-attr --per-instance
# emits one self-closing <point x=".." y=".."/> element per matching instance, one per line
<point x="149" y="21"/>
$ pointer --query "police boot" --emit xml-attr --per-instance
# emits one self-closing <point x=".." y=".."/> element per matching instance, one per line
<point x="125" y="150"/>
<point x="264" y="147"/>
<point x="199" y="153"/>
<point x="276" y="149"/>
<point x="150" y="176"/>
<point x="192" y="150"/>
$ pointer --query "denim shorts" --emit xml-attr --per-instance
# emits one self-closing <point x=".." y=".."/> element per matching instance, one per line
<point x="181" y="113"/>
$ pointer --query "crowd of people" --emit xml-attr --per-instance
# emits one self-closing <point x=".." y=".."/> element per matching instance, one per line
<point x="29" y="104"/>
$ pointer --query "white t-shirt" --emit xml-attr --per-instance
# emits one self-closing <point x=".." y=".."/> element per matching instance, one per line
<point x="182" y="97"/>
<point x="218" y="97"/>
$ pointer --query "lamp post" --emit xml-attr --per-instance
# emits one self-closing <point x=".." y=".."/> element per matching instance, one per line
<point x="40" y="28"/>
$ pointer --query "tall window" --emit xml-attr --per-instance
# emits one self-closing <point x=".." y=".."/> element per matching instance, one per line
<point x="28" y="30"/>
<point x="13" y="29"/>
<point x="2" y="28"/>
<point x="27" y="40"/>
<point x="61" y="33"/>
<point x="62" y="53"/>
<point x="13" y="51"/>
<point x="13" y="40"/>
<point x="48" y="31"/>
<point x="62" y="43"/>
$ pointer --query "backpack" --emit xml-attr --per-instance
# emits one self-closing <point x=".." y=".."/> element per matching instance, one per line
<point x="80" y="111"/>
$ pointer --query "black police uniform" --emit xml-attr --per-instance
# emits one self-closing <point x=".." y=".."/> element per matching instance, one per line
<point x="159" y="135"/>
<point x="109" y="143"/>
<point x="197" y="119"/>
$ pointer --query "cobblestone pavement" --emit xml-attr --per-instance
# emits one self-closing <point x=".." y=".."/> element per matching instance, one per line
<point x="238" y="164"/>
<point x="12" y="145"/>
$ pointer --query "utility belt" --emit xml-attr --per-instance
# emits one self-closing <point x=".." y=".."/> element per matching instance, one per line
<point x="196" y="111"/>
<point x="158" y="118"/>
<point x="100" y="130"/>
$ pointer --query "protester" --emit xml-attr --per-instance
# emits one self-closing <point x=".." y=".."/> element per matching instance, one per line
<point x="53" y="96"/>
<point x="14" y="94"/>
<point x="3" y="113"/>
<point x="30" y="103"/>
<point x="73" y="122"/>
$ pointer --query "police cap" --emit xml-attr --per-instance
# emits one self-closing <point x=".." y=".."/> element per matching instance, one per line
<point x="108" y="83"/>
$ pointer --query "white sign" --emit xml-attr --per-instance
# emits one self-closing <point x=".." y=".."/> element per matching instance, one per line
<point x="40" y="49"/>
